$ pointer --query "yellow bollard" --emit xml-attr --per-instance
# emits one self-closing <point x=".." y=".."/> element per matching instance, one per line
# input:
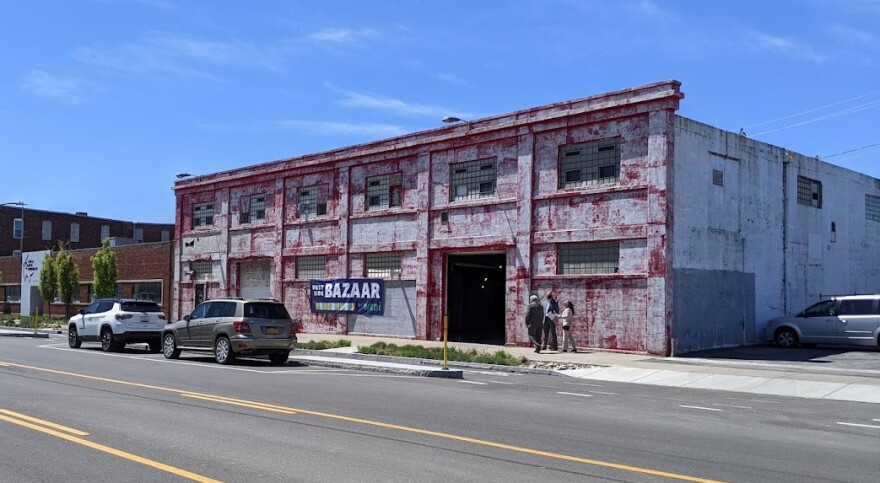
<point x="445" y="332"/>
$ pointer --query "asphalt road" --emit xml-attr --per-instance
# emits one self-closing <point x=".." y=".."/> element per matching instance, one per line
<point x="149" y="419"/>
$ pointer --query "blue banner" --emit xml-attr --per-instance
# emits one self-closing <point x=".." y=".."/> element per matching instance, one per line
<point x="364" y="296"/>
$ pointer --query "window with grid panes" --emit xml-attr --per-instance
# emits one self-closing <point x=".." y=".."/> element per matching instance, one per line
<point x="13" y="293"/>
<point x="202" y="270"/>
<point x="809" y="192"/>
<point x="588" y="258"/>
<point x="148" y="291"/>
<point x="311" y="267"/>
<point x="203" y="214"/>
<point x="312" y="201"/>
<point x="383" y="265"/>
<point x="473" y="179"/>
<point x="872" y="207"/>
<point x="384" y="191"/>
<point x="253" y="209"/>
<point x="587" y="164"/>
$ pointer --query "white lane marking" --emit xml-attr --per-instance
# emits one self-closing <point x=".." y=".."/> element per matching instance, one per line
<point x="582" y="384"/>
<point x="752" y="400"/>
<point x="490" y="373"/>
<point x="733" y="406"/>
<point x="574" y="394"/>
<point x="878" y="420"/>
<point x="700" y="407"/>
<point x="860" y="425"/>
<point x="474" y="382"/>
<point x="500" y="382"/>
<point x="605" y="393"/>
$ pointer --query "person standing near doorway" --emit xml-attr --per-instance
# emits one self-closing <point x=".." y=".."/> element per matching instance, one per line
<point x="551" y="312"/>
<point x="535" y="322"/>
<point x="565" y="320"/>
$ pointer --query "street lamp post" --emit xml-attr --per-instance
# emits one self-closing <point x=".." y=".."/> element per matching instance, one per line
<point x="21" y="205"/>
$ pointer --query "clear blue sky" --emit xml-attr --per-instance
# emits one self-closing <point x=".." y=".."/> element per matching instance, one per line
<point x="102" y="102"/>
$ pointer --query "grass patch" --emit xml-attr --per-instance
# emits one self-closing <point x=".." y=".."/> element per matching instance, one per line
<point x="42" y="321"/>
<point x="501" y="358"/>
<point x="323" y="345"/>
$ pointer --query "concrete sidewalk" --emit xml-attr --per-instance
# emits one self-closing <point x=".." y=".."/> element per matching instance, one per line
<point x="722" y="375"/>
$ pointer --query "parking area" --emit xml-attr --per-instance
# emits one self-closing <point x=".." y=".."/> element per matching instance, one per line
<point x="822" y="359"/>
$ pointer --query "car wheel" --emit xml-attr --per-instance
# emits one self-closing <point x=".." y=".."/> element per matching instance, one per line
<point x="169" y="347"/>
<point x="107" y="344"/>
<point x="223" y="351"/>
<point x="155" y="347"/>
<point x="786" y="337"/>
<point x="278" y="359"/>
<point x="73" y="339"/>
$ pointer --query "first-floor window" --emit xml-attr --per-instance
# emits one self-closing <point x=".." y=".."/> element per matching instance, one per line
<point x="311" y="267"/>
<point x="202" y="270"/>
<point x="383" y="265"/>
<point x="13" y="293"/>
<point x="588" y="258"/>
<point x="148" y="291"/>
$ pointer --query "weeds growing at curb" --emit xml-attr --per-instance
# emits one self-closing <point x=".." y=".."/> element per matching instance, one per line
<point x="501" y="358"/>
<point x="323" y="345"/>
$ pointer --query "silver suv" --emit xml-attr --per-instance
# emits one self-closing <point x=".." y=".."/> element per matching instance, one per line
<point x="233" y="327"/>
<point x="843" y="320"/>
<point x="116" y="322"/>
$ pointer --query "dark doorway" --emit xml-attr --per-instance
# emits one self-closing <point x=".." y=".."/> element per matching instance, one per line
<point x="475" y="292"/>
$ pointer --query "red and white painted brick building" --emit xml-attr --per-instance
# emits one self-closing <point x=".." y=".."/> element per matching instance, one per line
<point x="638" y="216"/>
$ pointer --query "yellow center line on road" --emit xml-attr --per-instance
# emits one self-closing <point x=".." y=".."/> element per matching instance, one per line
<point x="408" y="429"/>
<point x="44" y="423"/>
<point x="113" y="451"/>
<point x="253" y="405"/>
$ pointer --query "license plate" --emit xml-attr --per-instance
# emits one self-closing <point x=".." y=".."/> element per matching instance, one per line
<point x="145" y="319"/>
<point x="272" y="330"/>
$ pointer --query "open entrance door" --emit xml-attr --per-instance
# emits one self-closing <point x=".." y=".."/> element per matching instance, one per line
<point x="475" y="289"/>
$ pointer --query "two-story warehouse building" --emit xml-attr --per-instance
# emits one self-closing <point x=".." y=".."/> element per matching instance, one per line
<point x="665" y="233"/>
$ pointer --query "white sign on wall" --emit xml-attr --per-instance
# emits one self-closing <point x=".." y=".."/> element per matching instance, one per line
<point x="31" y="263"/>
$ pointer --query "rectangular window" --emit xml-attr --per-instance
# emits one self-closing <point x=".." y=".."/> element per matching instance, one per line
<point x="148" y="291"/>
<point x="253" y="209"/>
<point x="202" y="270"/>
<point x="872" y="208"/>
<point x="857" y="307"/>
<point x="312" y="201"/>
<point x="203" y="215"/>
<point x="473" y="179"/>
<point x="13" y="293"/>
<point x="311" y="267"/>
<point x="588" y="164"/>
<point x="383" y="265"/>
<point x="17" y="228"/>
<point x="47" y="230"/>
<point x="74" y="232"/>
<point x="165" y="235"/>
<point x="105" y="232"/>
<point x="139" y="234"/>
<point x="588" y="258"/>
<point x="717" y="177"/>
<point x="384" y="191"/>
<point x="809" y="192"/>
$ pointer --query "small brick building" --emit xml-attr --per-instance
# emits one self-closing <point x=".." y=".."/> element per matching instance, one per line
<point x="667" y="235"/>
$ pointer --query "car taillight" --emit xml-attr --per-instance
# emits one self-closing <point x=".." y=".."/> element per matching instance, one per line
<point x="241" y="327"/>
<point x="123" y="316"/>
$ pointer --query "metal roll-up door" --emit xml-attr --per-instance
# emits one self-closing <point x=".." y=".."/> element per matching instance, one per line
<point x="254" y="283"/>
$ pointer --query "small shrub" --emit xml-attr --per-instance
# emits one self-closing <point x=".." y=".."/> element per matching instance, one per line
<point x="323" y="345"/>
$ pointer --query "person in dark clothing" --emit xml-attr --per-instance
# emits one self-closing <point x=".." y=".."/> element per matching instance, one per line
<point x="551" y="311"/>
<point x="535" y="321"/>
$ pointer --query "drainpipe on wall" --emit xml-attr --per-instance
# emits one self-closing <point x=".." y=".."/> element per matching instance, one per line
<point x="786" y="160"/>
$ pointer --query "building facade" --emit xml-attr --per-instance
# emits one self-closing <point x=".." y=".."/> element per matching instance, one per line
<point x="611" y="202"/>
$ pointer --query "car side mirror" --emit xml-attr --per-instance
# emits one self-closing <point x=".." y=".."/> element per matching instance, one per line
<point x="81" y="312"/>
<point x="187" y="317"/>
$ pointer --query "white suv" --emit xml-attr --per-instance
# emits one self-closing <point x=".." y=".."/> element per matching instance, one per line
<point x="116" y="322"/>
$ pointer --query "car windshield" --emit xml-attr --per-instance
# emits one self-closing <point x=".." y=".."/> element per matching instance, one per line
<point x="141" y="307"/>
<point x="261" y="310"/>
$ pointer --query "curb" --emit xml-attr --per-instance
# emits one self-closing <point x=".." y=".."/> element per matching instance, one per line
<point x="39" y="335"/>
<point x="342" y="363"/>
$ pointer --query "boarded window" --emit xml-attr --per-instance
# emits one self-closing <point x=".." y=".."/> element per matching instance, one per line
<point x="473" y="179"/>
<point x="384" y="191"/>
<point x="165" y="235"/>
<point x="383" y="265"/>
<point x="809" y="192"/>
<point x="588" y="258"/>
<point x="47" y="230"/>
<point x="312" y="201"/>
<point x="253" y="209"/>
<point x="148" y="291"/>
<point x="311" y="267"/>
<point x="74" y="232"/>
<point x="872" y="207"/>
<point x="105" y="232"/>
<point x="202" y="270"/>
<point x="587" y="164"/>
<point x="203" y="215"/>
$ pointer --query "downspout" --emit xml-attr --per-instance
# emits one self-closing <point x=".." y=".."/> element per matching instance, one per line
<point x="786" y="160"/>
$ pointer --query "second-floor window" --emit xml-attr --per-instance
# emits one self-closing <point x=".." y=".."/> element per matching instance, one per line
<point x="203" y="215"/>
<point x="47" y="230"/>
<point x="74" y="232"/>
<point x="587" y="164"/>
<point x="472" y="180"/>
<point x="253" y="209"/>
<point x="588" y="258"/>
<point x="809" y="192"/>
<point x="384" y="191"/>
<point x="312" y="201"/>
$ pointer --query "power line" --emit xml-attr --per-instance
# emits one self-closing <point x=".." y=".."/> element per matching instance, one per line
<point x="851" y="151"/>
<point x="833" y="115"/>
<point x="813" y="110"/>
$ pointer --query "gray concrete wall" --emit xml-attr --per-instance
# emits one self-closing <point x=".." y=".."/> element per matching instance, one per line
<point x="724" y="319"/>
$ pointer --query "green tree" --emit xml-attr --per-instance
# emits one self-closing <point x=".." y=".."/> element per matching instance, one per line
<point x="48" y="281"/>
<point x="67" y="275"/>
<point x="105" y="270"/>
